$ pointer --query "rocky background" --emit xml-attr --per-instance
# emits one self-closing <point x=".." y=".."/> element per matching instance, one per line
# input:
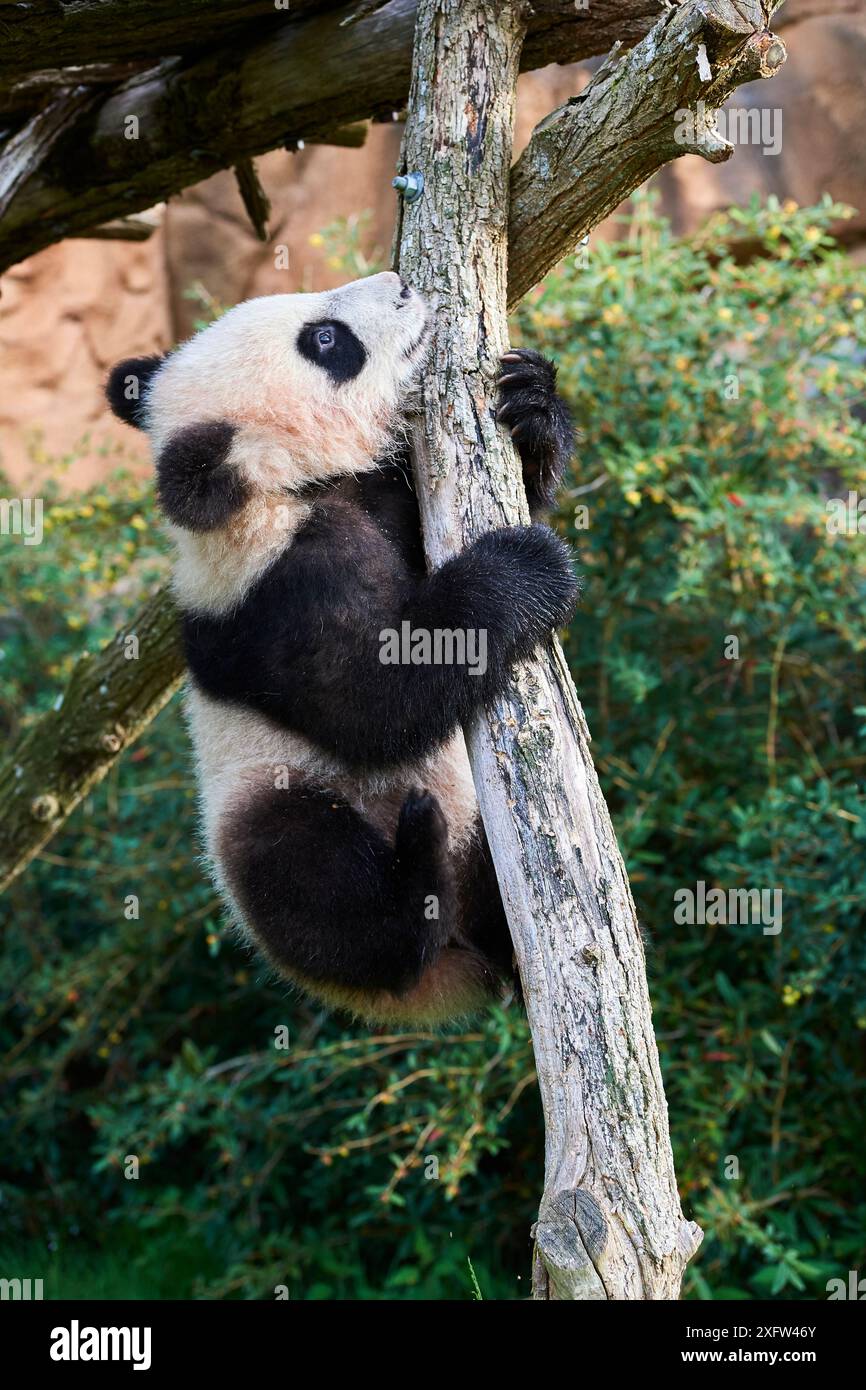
<point x="69" y="313"/>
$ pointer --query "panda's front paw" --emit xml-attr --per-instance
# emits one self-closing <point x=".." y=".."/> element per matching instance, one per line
<point x="537" y="419"/>
<point x="527" y="388"/>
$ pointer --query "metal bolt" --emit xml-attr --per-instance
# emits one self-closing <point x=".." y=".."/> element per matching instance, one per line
<point x="410" y="186"/>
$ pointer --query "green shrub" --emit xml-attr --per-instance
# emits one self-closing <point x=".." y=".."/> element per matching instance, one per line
<point x="718" y="402"/>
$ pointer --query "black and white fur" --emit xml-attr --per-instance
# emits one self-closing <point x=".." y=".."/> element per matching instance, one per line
<point x="338" y="808"/>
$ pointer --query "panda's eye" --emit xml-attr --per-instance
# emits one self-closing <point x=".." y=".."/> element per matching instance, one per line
<point x="325" y="337"/>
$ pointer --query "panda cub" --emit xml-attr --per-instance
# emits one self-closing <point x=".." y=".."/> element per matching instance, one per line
<point x="338" y="809"/>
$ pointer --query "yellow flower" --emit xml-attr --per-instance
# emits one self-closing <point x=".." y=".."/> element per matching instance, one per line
<point x="633" y="497"/>
<point x="813" y="234"/>
<point x="857" y="303"/>
<point x="138" y="523"/>
<point x="613" y="314"/>
<point x="725" y="313"/>
<point x="317" y="239"/>
<point x="681" y="363"/>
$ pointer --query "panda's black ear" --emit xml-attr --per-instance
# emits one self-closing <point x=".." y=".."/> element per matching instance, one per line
<point x="126" y="387"/>
<point x="196" y="486"/>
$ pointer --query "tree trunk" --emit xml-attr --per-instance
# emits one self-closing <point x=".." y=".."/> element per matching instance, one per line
<point x="610" y="1223"/>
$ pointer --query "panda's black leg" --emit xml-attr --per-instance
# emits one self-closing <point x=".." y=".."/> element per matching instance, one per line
<point x="330" y="899"/>
<point x="539" y="423"/>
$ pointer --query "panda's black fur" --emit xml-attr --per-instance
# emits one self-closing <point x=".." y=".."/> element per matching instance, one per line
<point x="363" y="872"/>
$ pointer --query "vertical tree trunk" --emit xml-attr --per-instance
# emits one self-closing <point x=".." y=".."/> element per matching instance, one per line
<point x="610" y="1223"/>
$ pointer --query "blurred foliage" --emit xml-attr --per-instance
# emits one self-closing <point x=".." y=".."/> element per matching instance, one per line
<point x="720" y="408"/>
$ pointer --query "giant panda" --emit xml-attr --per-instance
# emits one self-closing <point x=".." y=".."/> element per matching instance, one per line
<point x="338" y="811"/>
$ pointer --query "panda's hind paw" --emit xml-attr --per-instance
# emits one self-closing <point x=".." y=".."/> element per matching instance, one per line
<point x="422" y="828"/>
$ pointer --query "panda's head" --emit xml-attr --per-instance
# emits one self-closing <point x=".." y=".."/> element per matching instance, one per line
<point x="277" y="393"/>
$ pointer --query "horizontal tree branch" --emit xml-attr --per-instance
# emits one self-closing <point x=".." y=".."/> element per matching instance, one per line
<point x="125" y="30"/>
<point x="63" y="759"/>
<point x="301" y="79"/>
<point x="109" y="699"/>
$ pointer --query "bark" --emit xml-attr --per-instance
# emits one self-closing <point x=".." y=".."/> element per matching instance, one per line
<point x="610" y="1223"/>
<point x="254" y="197"/>
<point x="109" y="700"/>
<point x="28" y="147"/>
<point x="122" y="30"/>
<point x="293" y="80"/>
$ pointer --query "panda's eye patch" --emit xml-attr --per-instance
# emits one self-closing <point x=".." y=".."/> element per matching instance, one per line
<point x="331" y="345"/>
